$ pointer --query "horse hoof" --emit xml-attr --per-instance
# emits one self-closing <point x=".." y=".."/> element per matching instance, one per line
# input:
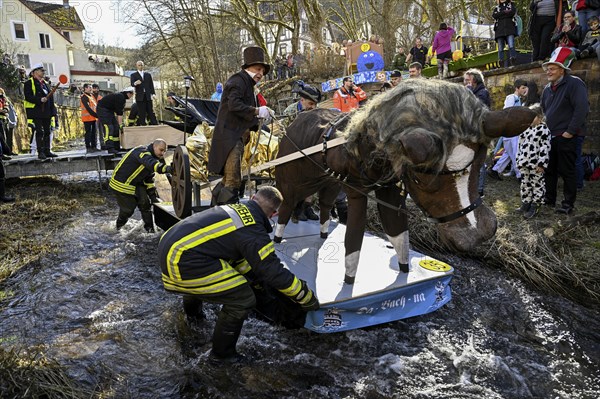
<point x="403" y="267"/>
<point x="277" y="240"/>
<point x="324" y="235"/>
<point x="349" y="280"/>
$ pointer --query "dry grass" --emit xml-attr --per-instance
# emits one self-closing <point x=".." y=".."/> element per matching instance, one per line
<point x="24" y="375"/>
<point x="553" y="253"/>
<point x="27" y="234"/>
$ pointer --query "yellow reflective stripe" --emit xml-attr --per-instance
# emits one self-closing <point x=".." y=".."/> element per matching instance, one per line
<point x="293" y="289"/>
<point x="134" y="174"/>
<point x="120" y="187"/>
<point x="192" y="240"/>
<point x="26" y="103"/>
<point x="117" y="185"/>
<point x="223" y="280"/>
<point x="149" y="185"/>
<point x="266" y="250"/>
<point x="242" y="266"/>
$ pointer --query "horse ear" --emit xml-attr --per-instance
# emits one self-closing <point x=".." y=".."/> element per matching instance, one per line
<point x="418" y="145"/>
<point x="508" y="122"/>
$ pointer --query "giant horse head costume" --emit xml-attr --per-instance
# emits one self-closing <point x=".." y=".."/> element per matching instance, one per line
<point x="426" y="138"/>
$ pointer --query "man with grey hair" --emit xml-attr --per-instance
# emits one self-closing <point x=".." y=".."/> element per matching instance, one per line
<point x="144" y="94"/>
<point x="566" y="105"/>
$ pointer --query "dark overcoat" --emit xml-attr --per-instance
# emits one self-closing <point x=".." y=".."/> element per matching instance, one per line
<point x="235" y="116"/>
<point x="504" y="15"/>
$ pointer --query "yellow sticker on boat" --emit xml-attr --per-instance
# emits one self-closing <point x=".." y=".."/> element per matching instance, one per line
<point x="434" y="265"/>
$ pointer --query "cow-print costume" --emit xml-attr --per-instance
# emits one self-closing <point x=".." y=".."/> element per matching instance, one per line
<point x="534" y="150"/>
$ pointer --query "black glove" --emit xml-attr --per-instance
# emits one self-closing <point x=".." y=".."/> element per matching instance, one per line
<point x="169" y="169"/>
<point x="307" y="298"/>
<point x="153" y="194"/>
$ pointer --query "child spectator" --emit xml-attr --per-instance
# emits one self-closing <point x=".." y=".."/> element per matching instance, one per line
<point x="591" y="43"/>
<point x="532" y="160"/>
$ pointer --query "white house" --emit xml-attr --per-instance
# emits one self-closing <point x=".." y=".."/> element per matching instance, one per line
<point x="285" y="41"/>
<point x="31" y="39"/>
<point x="52" y="33"/>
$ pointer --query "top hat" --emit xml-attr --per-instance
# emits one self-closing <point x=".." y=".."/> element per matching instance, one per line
<point x="562" y="57"/>
<point x="255" y="55"/>
<point x="396" y="74"/>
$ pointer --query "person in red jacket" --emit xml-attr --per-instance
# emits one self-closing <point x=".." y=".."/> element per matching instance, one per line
<point x="349" y="96"/>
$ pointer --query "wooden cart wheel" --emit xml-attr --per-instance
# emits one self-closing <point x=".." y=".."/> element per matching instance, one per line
<point x="181" y="183"/>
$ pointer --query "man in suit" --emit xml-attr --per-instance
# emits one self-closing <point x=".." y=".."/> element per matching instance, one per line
<point x="144" y="94"/>
<point x="238" y="114"/>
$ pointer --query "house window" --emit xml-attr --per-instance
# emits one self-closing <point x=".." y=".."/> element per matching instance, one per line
<point x="67" y="35"/>
<point x="71" y="58"/>
<point x="23" y="59"/>
<point x="283" y="49"/>
<point x="304" y="28"/>
<point x="45" y="40"/>
<point x="49" y="67"/>
<point x="19" y="31"/>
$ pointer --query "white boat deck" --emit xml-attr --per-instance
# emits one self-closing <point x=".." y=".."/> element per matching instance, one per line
<point x="320" y="262"/>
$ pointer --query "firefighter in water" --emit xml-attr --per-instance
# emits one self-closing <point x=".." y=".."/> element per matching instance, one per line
<point x="133" y="181"/>
<point x="222" y="255"/>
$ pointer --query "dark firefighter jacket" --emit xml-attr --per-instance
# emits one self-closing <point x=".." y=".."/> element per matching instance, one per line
<point x="136" y="168"/>
<point x="114" y="102"/>
<point x="235" y="116"/>
<point x="222" y="248"/>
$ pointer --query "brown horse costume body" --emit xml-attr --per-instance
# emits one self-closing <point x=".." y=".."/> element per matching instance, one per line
<point x="426" y="137"/>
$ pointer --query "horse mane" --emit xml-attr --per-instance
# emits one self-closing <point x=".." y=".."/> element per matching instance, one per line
<point x="446" y="110"/>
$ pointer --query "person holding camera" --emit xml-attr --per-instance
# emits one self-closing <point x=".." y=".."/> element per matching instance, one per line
<point x="349" y="96"/>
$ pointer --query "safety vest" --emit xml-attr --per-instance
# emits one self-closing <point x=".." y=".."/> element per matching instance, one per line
<point x="26" y="103"/>
<point x="85" y="115"/>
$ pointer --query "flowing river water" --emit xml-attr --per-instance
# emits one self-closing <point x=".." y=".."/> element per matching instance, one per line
<point x="99" y="309"/>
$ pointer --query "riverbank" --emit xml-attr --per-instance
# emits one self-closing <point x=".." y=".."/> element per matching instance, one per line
<point x="81" y="293"/>
<point x="553" y="253"/>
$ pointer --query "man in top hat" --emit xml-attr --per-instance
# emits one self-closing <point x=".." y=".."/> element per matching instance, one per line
<point x="39" y="106"/>
<point x="238" y="114"/>
<point x="565" y="104"/>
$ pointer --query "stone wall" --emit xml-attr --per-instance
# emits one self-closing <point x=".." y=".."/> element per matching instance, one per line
<point x="499" y="82"/>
